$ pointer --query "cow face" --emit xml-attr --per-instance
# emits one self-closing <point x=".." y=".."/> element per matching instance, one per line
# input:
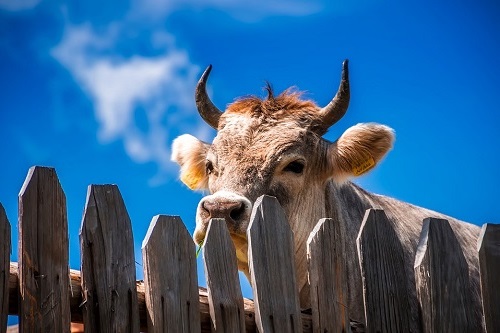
<point x="274" y="146"/>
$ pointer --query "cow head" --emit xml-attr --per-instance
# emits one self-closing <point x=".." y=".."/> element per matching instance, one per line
<point x="274" y="146"/>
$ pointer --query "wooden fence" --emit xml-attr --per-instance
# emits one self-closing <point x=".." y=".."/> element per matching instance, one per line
<point x="106" y="297"/>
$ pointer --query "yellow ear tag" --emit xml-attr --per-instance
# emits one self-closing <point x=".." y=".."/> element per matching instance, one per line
<point x="360" y="169"/>
<point x="192" y="180"/>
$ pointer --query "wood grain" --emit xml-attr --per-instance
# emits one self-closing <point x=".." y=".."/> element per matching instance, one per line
<point x="43" y="254"/>
<point x="272" y="268"/>
<point x="489" y="265"/>
<point x="383" y="274"/>
<point x="170" y="277"/>
<point x="108" y="263"/>
<point x="442" y="281"/>
<point x="76" y="301"/>
<point x="5" y="248"/>
<point x="327" y="277"/>
<point x="225" y="299"/>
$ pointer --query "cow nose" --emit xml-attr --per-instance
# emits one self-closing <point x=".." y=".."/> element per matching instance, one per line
<point x="228" y="209"/>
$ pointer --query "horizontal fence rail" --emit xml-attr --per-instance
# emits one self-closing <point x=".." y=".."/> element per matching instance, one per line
<point x="106" y="297"/>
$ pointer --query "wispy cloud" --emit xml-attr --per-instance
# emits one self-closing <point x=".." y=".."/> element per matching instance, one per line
<point x="157" y="90"/>
<point x="145" y="100"/>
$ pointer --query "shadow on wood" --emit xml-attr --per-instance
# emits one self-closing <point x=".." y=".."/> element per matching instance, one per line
<point x="442" y="280"/>
<point x="43" y="253"/>
<point x="170" y="277"/>
<point x="327" y="277"/>
<point x="272" y="268"/>
<point x="108" y="263"/>
<point x="383" y="274"/>
<point x="225" y="299"/>
<point x="489" y="264"/>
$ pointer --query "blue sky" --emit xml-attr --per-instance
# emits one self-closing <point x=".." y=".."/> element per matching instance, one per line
<point x="99" y="90"/>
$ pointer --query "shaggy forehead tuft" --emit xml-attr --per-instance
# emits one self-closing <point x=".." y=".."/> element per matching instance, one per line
<point x="286" y="106"/>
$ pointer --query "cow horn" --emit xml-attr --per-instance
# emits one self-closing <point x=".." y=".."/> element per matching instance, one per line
<point x="208" y="111"/>
<point x="337" y="107"/>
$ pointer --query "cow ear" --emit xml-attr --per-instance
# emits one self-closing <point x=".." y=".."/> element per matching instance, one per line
<point x="190" y="153"/>
<point x="359" y="149"/>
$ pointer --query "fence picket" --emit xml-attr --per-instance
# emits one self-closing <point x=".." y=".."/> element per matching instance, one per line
<point x="4" y="268"/>
<point x="170" y="280"/>
<point x="169" y="300"/>
<point x="383" y="274"/>
<point x="442" y="280"/>
<point x="108" y="263"/>
<point x="225" y="299"/>
<point x="489" y="265"/>
<point x="43" y="253"/>
<point x="76" y="302"/>
<point x="327" y="276"/>
<point x="272" y="267"/>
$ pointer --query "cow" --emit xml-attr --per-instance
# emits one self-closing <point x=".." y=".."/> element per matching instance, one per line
<point x="275" y="146"/>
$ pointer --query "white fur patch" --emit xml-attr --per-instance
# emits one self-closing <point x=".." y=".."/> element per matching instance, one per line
<point x="182" y="146"/>
<point x="190" y="154"/>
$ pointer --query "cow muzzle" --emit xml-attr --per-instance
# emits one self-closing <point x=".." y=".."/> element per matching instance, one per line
<point x="232" y="207"/>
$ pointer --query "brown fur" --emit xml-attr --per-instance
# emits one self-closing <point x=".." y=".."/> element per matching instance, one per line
<point x="258" y="138"/>
<point x="286" y="106"/>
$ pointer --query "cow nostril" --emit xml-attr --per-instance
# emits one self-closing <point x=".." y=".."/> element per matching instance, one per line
<point x="237" y="212"/>
<point x="207" y="208"/>
<point x="231" y="210"/>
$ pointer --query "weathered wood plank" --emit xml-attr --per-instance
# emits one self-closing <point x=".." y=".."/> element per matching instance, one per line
<point x="76" y="300"/>
<point x="327" y="277"/>
<point x="4" y="268"/>
<point x="383" y="274"/>
<point x="442" y="279"/>
<point x="108" y="263"/>
<point x="489" y="265"/>
<point x="224" y="293"/>
<point x="170" y="278"/>
<point x="43" y="253"/>
<point x="272" y="268"/>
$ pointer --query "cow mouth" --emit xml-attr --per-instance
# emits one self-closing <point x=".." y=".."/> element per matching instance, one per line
<point x="241" y="246"/>
<point x="239" y="240"/>
<point x="199" y="237"/>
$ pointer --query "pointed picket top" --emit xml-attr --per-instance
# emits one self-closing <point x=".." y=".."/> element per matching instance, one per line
<point x="489" y="265"/>
<point x="171" y="287"/>
<point x="5" y="249"/>
<point x="225" y="299"/>
<point x="108" y="263"/>
<point x="385" y="285"/>
<point x="442" y="281"/>
<point x="272" y="268"/>
<point x="327" y="277"/>
<point x="43" y="253"/>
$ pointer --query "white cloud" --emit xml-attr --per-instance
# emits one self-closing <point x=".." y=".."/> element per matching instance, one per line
<point x="18" y="5"/>
<point x="141" y="99"/>
<point x="117" y="87"/>
<point x="159" y="89"/>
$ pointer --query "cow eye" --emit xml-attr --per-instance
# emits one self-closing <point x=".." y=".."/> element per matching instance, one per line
<point x="295" y="167"/>
<point x="209" y="167"/>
